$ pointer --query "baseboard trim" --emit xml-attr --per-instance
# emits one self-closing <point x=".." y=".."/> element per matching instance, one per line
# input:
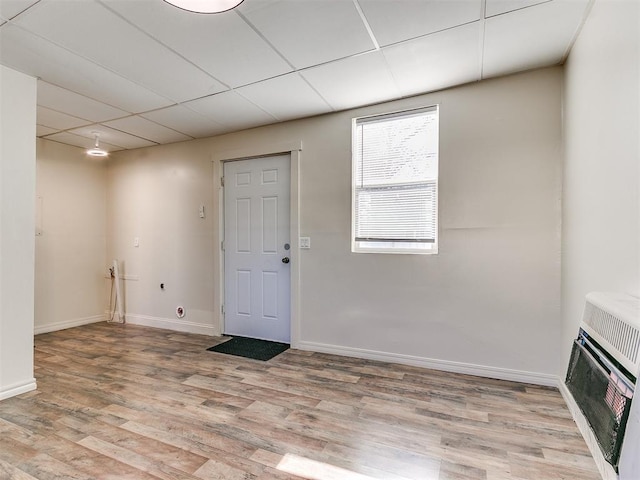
<point x="170" y="324"/>
<point x="17" y="389"/>
<point x="444" y="365"/>
<point x="606" y="470"/>
<point x="53" y="327"/>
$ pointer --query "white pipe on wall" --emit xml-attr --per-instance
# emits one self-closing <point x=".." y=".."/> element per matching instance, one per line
<point x="116" y="279"/>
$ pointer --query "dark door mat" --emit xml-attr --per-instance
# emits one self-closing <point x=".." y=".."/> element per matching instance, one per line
<point x="250" y="348"/>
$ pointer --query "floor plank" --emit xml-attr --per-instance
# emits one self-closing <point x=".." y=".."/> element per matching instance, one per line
<point x="130" y="402"/>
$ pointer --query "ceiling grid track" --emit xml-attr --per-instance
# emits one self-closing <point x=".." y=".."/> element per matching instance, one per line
<point x="261" y="35"/>
<point x="363" y="17"/>
<point x="483" y="21"/>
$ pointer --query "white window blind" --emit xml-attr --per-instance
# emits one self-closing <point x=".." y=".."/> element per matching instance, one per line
<point x="395" y="177"/>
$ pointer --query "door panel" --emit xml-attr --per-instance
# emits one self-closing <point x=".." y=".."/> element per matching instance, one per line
<point x="243" y="225"/>
<point x="270" y="225"/>
<point x="257" y="282"/>
<point x="243" y="294"/>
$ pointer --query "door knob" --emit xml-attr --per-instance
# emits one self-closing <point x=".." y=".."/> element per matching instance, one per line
<point x="285" y="259"/>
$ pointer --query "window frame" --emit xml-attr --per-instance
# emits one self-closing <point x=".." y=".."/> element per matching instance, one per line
<point x="402" y="247"/>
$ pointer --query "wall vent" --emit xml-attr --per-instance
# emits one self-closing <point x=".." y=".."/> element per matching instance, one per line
<point x="603" y="369"/>
<point x="613" y="320"/>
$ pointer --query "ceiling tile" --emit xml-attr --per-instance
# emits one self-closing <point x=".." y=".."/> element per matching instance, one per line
<point x="354" y="81"/>
<point x="141" y="127"/>
<point x="58" y="120"/>
<point x="395" y="21"/>
<point x="286" y="97"/>
<point x="41" y="130"/>
<point x="11" y="8"/>
<point x="310" y="32"/>
<point x="132" y="69"/>
<point x="242" y="56"/>
<point x="34" y="56"/>
<point x="436" y="61"/>
<point x="112" y="136"/>
<point x="60" y="99"/>
<point x="231" y="110"/>
<point x="80" y="141"/>
<point x="186" y="121"/>
<point x="498" y="7"/>
<point x="550" y="26"/>
<point x="94" y="32"/>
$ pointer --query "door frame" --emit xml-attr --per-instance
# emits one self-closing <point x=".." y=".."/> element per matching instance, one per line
<point x="293" y="149"/>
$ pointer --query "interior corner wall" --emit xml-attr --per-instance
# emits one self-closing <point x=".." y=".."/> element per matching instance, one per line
<point x="70" y="284"/>
<point x="17" y="230"/>
<point x="154" y="196"/>
<point x="489" y="302"/>
<point x="601" y="194"/>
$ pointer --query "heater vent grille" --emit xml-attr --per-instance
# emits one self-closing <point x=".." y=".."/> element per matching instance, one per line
<point x="613" y="321"/>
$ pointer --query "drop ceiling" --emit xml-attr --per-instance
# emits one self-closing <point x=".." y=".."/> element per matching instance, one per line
<point x="142" y="72"/>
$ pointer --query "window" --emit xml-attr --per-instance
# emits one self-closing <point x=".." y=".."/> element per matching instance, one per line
<point x="395" y="182"/>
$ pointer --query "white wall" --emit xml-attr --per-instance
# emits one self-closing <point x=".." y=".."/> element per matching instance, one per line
<point x="601" y="202"/>
<point x="601" y="194"/>
<point x="17" y="230"/>
<point x="71" y="251"/>
<point x="154" y="195"/>
<point x="490" y="298"/>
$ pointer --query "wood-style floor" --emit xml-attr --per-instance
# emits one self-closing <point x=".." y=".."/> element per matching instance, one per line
<point x="128" y="402"/>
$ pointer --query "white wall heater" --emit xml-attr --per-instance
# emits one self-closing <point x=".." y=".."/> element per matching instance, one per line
<point x="602" y="376"/>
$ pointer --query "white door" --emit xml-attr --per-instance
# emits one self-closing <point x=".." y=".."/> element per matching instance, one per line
<point x="256" y="248"/>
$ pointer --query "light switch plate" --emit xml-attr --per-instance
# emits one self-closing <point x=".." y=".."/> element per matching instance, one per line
<point x="305" y="242"/>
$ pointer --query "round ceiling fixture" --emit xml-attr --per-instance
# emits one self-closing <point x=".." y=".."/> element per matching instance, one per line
<point x="96" y="151"/>
<point x="205" y="6"/>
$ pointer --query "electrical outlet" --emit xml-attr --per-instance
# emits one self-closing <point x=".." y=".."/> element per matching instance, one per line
<point x="305" y="242"/>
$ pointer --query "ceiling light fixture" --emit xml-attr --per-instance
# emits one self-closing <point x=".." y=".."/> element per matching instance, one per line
<point x="205" y="6"/>
<point x="96" y="151"/>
